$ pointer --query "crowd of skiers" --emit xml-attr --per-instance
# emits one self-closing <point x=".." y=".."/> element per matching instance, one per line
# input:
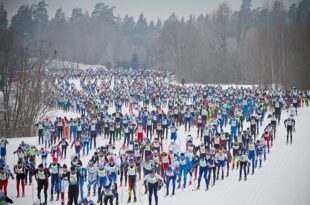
<point x="146" y="113"/>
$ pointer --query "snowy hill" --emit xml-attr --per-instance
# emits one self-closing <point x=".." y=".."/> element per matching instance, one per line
<point x="282" y="179"/>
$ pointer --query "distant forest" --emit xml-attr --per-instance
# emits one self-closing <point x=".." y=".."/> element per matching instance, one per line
<point x="265" y="46"/>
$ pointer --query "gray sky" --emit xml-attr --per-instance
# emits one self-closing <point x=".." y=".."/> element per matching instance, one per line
<point x="152" y="9"/>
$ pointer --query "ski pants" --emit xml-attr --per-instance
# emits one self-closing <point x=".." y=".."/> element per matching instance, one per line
<point x="92" y="181"/>
<point x="93" y="139"/>
<point x="188" y="123"/>
<point x="289" y="130"/>
<point x="55" y="184"/>
<point x="73" y="194"/>
<point x="173" y="136"/>
<point x="153" y="190"/>
<point x="4" y="185"/>
<point x="220" y="166"/>
<point x="63" y="152"/>
<point x="20" y="179"/>
<point x="42" y="184"/>
<point x="85" y="148"/>
<point x="252" y="160"/>
<point x="182" y="170"/>
<point x="233" y="131"/>
<point x="64" y="189"/>
<point x="212" y="170"/>
<point x="242" y="168"/>
<point x="40" y="136"/>
<point x="203" y="172"/>
<point x="81" y="188"/>
<point x="101" y="184"/>
<point x="173" y="179"/>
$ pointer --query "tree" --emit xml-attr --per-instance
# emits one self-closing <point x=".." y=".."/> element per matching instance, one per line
<point x="40" y="16"/>
<point x="244" y="20"/>
<point x="22" y="21"/>
<point x="24" y="88"/>
<point x="76" y="15"/>
<point x="134" y="61"/>
<point x="59" y="17"/>
<point x="3" y="18"/>
<point x="104" y="13"/>
<point x="220" y="23"/>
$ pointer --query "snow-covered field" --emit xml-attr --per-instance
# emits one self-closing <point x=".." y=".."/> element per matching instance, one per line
<point x="282" y="179"/>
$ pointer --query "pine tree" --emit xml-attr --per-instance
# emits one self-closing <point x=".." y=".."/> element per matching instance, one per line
<point x="134" y="61"/>
<point x="3" y="18"/>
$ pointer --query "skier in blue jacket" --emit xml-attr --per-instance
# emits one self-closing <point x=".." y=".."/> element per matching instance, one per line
<point x="203" y="171"/>
<point x="170" y="175"/>
<point x="184" y="163"/>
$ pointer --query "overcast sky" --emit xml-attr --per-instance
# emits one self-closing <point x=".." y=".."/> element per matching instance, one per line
<point x="152" y="9"/>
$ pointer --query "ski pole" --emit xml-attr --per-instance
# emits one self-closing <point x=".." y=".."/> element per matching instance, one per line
<point x="140" y="191"/>
<point x="32" y="195"/>
<point x="122" y="195"/>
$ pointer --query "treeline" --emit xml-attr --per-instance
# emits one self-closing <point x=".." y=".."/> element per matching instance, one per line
<point x="269" y="45"/>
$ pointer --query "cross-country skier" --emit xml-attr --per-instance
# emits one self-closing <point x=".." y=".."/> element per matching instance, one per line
<point x="132" y="179"/>
<point x="203" y="170"/>
<point x="19" y="170"/>
<point x="153" y="180"/>
<point x="41" y="175"/>
<point x="184" y="162"/>
<point x="92" y="178"/>
<point x="3" y="143"/>
<point x="54" y="170"/>
<point x="73" y="190"/>
<point x="171" y="176"/>
<point x="290" y="127"/>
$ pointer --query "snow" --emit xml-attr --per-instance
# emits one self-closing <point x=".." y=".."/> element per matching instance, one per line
<point x="224" y="86"/>
<point x="68" y="64"/>
<point x="282" y="179"/>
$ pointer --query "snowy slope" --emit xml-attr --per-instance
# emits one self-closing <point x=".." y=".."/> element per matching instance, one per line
<point x="281" y="180"/>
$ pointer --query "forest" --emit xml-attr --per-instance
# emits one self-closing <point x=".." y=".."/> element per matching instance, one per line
<point x="267" y="46"/>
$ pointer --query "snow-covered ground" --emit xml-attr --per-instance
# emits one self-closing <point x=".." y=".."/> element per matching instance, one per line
<point x="68" y="64"/>
<point x="282" y="179"/>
